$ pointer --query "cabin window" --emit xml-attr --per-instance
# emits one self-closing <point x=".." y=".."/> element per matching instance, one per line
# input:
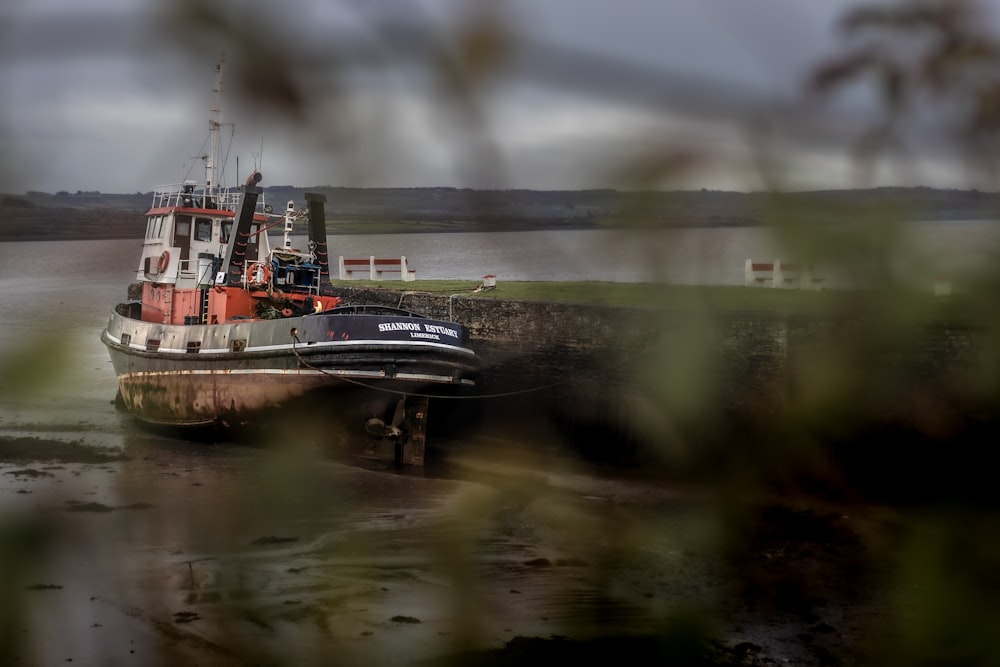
<point x="202" y="229"/>
<point x="239" y="345"/>
<point x="182" y="229"/>
<point x="194" y="347"/>
<point x="126" y="339"/>
<point x="182" y="237"/>
<point x="227" y="229"/>
<point x="158" y="221"/>
<point x="152" y="344"/>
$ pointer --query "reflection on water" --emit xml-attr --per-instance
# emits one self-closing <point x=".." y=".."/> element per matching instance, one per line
<point x="231" y="553"/>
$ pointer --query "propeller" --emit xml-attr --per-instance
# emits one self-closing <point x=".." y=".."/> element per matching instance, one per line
<point x="377" y="428"/>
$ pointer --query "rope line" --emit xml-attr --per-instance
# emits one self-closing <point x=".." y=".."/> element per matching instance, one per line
<point x="295" y="351"/>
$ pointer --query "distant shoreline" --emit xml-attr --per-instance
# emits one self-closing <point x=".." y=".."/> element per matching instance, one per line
<point x="106" y="225"/>
<point x="471" y="228"/>
<point x="40" y="216"/>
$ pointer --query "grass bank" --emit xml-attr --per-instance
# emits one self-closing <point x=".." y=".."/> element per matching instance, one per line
<point x="700" y="298"/>
<point x="637" y="295"/>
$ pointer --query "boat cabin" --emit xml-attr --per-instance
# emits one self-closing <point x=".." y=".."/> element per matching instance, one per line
<point x="198" y="267"/>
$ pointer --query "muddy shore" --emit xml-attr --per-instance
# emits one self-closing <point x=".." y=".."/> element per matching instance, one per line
<point x="156" y="550"/>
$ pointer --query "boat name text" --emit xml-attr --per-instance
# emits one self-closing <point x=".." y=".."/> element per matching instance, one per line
<point x="419" y="329"/>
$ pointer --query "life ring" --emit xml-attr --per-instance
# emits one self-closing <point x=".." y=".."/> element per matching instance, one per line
<point x="258" y="274"/>
<point x="163" y="262"/>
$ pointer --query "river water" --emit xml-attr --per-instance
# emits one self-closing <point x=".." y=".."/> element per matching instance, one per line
<point x="683" y="256"/>
<point x="139" y="548"/>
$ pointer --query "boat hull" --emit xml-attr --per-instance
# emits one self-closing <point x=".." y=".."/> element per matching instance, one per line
<point x="225" y="374"/>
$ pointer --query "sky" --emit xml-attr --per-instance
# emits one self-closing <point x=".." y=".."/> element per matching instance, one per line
<point x="114" y="95"/>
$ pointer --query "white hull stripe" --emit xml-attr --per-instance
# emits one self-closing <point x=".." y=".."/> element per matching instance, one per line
<point x="370" y="375"/>
<point x="299" y="346"/>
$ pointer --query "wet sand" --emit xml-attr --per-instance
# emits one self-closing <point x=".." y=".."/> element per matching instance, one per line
<point x="152" y="550"/>
<point x="226" y="554"/>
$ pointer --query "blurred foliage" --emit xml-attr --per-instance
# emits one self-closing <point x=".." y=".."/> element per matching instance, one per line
<point x="853" y="487"/>
<point x="30" y="369"/>
<point x="925" y="56"/>
<point x="22" y="550"/>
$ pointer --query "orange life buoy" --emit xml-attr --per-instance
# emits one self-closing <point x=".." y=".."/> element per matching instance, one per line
<point x="163" y="262"/>
<point x="258" y="274"/>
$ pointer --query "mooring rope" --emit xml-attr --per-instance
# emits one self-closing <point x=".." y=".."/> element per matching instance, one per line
<point x="398" y="392"/>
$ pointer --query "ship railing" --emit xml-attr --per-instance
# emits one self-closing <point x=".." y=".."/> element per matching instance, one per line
<point x="187" y="195"/>
<point x="190" y="269"/>
<point x="186" y="268"/>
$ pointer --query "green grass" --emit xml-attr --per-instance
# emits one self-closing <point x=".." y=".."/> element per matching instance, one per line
<point x="908" y="305"/>
<point x="639" y="295"/>
<point x="389" y="226"/>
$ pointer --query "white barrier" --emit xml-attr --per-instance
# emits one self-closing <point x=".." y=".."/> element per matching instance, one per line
<point x="776" y="274"/>
<point x="375" y="268"/>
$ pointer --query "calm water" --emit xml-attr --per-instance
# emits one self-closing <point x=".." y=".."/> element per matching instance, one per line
<point x="712" y="256"/>
<point x="688" y="256"/>
<point x="697" y="256"/>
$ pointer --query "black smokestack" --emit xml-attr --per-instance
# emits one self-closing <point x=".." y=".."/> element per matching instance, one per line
<point x="236" y="253"/>
<point x="317" y="234"/>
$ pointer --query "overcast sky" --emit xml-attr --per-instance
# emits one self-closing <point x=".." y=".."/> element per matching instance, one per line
<point x="116" y="96"/>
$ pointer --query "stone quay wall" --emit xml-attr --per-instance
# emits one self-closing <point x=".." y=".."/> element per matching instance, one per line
<point x="593" y="368"/>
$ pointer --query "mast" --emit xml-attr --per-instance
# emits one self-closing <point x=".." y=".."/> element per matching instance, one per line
<point x="214" y="124"/>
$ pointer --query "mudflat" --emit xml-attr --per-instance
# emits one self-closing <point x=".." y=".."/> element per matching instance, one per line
<point x="149" y="549"/>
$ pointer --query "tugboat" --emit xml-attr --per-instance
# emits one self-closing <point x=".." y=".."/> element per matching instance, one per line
<point x="230" y="332"/>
